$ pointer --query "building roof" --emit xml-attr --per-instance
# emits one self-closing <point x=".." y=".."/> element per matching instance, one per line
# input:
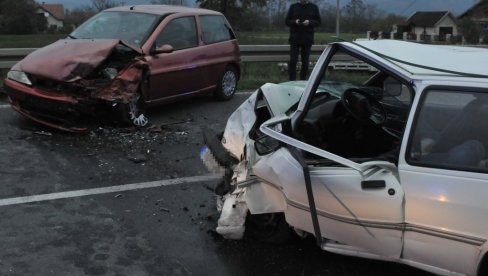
<point x="56" y="10"/>
<point x="415" y="59"/>
<point x="476" y="7"/>
<point x="426" y="19"/>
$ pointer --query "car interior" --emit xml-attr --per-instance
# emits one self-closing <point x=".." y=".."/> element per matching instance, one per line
<point x="357" y="114"/>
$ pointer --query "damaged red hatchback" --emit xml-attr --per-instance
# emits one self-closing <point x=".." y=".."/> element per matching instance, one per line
<point x="123" y="60"/>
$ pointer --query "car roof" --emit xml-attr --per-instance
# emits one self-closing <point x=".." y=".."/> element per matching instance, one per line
<point x="163" y="9"/>
<point x="419" y="60"/>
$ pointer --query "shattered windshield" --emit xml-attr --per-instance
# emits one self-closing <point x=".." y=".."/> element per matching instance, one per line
<point x="132" y="28"/>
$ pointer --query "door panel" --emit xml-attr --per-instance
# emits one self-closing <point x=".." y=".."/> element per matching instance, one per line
<point x="180" y="72"/>
<point x="367" y="218"/>
<point x="445" y="214"/>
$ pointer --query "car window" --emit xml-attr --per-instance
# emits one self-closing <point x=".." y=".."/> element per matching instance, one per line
<point x="181" y="33"/>
<point x="214" y="29"/>
<point x="133" y="28"/>
<point x="357" y="110"/>
<point x="450" y="131"/>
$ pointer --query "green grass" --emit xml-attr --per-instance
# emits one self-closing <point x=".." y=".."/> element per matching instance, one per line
<point x="28" y="41"/>
<point x="245" y="38"/>
<point x="253" y="75"/>
<point x="273" y="38"/>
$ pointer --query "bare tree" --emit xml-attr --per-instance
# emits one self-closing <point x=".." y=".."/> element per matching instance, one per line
<point x="100" y="5"/>
<point x="168" y="2"/>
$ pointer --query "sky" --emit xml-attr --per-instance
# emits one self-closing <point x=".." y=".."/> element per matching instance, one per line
<point x="400" y="7"/>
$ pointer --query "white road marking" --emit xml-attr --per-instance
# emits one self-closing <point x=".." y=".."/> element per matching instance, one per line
<point x="106" y="190"/>
<point x="2" y="106"/>
<point x="245" y="92"/>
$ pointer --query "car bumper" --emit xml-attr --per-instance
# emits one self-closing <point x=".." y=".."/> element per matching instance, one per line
<point x="47" y="108"/>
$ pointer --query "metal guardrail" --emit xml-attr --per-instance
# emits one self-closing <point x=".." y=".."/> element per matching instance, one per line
<point x="249" y="53"/>
<point x="10" y="56"/>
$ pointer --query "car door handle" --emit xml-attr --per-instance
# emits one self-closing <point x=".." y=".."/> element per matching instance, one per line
<point x="373" y="184"/>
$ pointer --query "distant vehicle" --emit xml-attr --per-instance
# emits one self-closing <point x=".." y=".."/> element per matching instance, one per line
<point x="124" y="59"/>
<point x="388" y="163"/>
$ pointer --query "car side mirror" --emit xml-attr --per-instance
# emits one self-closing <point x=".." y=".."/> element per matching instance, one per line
<point x="265" y="145"/>
<point x="163" y="49"/>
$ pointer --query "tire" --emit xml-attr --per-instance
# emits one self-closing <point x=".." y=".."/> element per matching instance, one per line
<point x="227" y="86"/>
<point x="269" y="228"/>
<point x="133" y="112"/>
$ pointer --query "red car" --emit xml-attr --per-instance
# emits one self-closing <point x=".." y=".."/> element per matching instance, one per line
<point x="123" y="60"/>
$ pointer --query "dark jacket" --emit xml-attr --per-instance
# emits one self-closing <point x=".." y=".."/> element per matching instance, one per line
<point x="300" y="34"/>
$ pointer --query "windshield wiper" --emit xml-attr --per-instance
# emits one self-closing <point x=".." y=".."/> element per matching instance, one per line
<point x="72" y="37"/>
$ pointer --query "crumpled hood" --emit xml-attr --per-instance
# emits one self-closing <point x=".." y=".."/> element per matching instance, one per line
<point x="67" y="60"/>
<point x="280" y="97"/>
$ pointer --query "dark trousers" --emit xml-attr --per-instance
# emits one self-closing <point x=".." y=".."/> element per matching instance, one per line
<point x="304" y="54"/>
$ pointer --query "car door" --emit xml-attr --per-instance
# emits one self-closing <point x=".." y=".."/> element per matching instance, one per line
<point x="445" y="178"/>
<point x="179" y="72"/>
<point x="360" y="206"/>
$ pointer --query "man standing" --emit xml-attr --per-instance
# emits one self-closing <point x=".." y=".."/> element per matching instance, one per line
<point x="302" y="18"/>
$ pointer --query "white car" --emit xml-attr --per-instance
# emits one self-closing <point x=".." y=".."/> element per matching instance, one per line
<point x="382" y="154"/>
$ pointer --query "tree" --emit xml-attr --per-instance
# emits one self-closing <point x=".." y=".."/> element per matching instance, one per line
<point x="77" y="16"/>
<point x="100" y="5"/>
<point x="18" y="17"/>
<point x="167" y="2"/>
<point x="471" y="31"/>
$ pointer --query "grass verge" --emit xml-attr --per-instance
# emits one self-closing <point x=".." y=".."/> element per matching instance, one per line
<point x="253" y="75"/>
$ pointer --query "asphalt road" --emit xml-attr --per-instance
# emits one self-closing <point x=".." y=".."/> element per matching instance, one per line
<point x="67" y="206"/>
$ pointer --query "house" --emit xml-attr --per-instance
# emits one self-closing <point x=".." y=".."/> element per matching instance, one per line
<point x="54" y="14"/>
<point x="438" y="23"/>
<point x="478" y="14"/>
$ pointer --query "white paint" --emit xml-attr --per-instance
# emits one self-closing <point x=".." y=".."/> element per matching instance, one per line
<point x="3" y="106"/>
<point x="106" y="190"/>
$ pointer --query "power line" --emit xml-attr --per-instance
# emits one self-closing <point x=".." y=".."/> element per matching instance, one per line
<point x="411" y="4"/>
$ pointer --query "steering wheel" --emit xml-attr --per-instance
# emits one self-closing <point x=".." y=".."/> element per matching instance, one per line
<point x="363" y="106"/>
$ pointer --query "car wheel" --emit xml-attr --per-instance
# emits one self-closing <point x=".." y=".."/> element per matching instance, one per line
<point x="227" y="86"/>
<point x="269" y="228"/>
<point x="133" y="111"/>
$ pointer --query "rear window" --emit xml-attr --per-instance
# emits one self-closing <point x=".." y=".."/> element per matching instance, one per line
<point x="215" y="29"/>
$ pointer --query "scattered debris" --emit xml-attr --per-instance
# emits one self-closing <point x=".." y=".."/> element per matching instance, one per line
<point x="118" y="196"/>
<point x="186" y="209"/>
<point x="42" y="132"/>
<point x="164" y="209"/>
<point x="139" y="158"/>
<point x="155" y="129"/>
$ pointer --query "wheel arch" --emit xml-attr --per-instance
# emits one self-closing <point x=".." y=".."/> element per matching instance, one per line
<point x="483" y="264"/>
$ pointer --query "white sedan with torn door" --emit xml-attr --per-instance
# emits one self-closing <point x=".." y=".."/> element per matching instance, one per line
<point x="385" y="158"/>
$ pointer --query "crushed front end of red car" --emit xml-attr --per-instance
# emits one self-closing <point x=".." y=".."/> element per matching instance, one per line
<point x="62" y="84"/>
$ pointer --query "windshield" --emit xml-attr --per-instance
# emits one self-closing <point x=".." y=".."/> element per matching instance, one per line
<point x="132" y="28"/>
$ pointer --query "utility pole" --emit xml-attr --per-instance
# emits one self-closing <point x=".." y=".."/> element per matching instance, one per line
<point x="338" y="16"/>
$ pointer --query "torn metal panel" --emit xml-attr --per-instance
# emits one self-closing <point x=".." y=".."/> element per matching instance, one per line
<point x="238" y="127"/>
<point x="124" y="85"/>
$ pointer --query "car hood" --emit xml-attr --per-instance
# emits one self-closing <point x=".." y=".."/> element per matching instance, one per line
<point x="68" y="60"/>
<point x="281" y="97"/>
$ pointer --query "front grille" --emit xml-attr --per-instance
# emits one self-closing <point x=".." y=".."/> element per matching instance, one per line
<point x="46" y="106"/>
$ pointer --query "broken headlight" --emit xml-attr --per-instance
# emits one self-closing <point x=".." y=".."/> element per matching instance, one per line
<point x="19" y="76"/>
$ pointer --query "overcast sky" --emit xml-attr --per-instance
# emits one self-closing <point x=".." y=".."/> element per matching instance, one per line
<point x="400" y="7"/>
